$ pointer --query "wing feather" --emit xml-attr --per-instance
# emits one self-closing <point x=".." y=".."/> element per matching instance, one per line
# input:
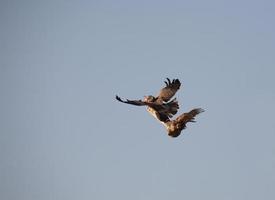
<point x="170" y="90"/>
<point x="190" y="116"/>
<point x="132" y="102"/>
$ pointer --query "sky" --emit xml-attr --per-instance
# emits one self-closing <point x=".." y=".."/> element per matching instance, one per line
<point x="63" y="136"/>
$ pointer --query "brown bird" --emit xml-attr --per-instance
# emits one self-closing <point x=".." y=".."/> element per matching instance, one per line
<point x="175" y="127"/>
<point x="160" y="106"/>
<point x="163" y="109"/>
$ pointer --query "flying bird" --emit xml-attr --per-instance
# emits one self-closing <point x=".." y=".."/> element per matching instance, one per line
<point x="160" y="106"/>
<point x="174" y="127"/>
<point x="163" y="108"/>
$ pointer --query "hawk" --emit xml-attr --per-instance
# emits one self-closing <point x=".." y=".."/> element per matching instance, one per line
<point x="160" y="106"/>
<point x="163" y="108"/>
<point x="174" y="127"/>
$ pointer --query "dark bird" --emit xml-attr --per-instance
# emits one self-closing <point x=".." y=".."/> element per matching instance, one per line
<point x="163" y="109"/>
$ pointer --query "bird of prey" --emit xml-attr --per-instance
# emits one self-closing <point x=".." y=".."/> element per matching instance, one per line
<point x="174" y="127"/>
<point x="163" y="108"/>
<point x="160" y="106"/>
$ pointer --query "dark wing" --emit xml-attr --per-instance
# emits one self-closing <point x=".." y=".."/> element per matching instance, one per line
<point x="133" y="102"/>
<point x="166" y="110"/>
<point x="170" y="108"/>
<point x="170" y="90"/>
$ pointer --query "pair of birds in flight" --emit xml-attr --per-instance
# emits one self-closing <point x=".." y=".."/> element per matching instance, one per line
<point x="163" y="108"/>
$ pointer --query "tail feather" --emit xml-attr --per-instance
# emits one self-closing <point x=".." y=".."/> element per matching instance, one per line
<point x="173" y="107"/>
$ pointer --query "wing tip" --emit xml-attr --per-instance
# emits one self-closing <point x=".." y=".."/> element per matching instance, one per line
<point x="174" y="82"/>
<point x="118" y="98"/>
<point x="199" y="110"/>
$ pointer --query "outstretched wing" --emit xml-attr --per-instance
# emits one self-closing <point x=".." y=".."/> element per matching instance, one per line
<point x="170" y="90"/>
<point x="190" y="116"/>
<point x="160" y="111"/>
<point x="133" y="102"/>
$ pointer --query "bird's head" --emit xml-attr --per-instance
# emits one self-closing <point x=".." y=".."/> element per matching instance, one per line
<point x="149" y="98"/>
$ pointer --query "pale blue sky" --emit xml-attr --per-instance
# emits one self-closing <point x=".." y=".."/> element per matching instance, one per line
<point x="64" y="137"/>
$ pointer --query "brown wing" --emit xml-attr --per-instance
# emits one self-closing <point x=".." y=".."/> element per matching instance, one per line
<point x="170" y="90"/>
<point x="190" y="116"/>
<point x="132" y="102"/>
<point x="175" y="127"/>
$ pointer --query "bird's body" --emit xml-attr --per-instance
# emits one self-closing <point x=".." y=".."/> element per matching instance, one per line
<point x="174" y="127"/>
<point x="163" y="109"/>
